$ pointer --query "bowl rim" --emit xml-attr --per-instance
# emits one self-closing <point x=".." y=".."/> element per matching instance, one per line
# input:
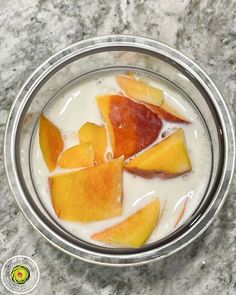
<point x="53" y="63"/>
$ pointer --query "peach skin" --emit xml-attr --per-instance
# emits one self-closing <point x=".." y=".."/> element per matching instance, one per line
<point x="168" y="113"/>
<point x="132" y="126"/>
<point x="151" y="97"/>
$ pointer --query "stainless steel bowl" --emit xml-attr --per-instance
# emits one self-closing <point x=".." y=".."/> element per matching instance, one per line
<point x="118" y="52"/>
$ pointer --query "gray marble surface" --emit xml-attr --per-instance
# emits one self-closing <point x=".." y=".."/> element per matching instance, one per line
<point x="32" y="30"/>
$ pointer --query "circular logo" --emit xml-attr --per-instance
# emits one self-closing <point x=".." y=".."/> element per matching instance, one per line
<point x="20" y="274"/>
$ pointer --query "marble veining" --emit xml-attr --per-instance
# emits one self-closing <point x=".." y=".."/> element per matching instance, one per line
<point x="31" y="31"/>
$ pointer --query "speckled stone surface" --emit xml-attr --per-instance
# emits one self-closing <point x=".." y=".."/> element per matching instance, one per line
<point x="32" y="30"/>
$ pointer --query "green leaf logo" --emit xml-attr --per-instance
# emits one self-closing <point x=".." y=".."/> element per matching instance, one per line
<point x="20" y="274"/>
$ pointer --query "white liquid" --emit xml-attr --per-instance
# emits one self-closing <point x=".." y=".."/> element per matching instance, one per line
<point x="77" y="105"/>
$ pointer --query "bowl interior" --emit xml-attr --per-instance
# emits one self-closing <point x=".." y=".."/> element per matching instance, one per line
<point x="74" y="67"/>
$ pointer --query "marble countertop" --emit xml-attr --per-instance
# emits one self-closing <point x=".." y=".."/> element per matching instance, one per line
<point x="30" y="32"/>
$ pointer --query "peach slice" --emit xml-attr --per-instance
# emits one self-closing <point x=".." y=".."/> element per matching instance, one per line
<point x="168" y="113"/>
<point x="132" y="126"/>
<point x="135" y="89"/>
<point x="134" y="231"/>
<point x="168" y="158"/>
<point x="140" y="91"/>
<point x="51" y="142"/>
<point x="95" y="134"/>
<point x="88" y="195"/>
<point x="81" y="155"/>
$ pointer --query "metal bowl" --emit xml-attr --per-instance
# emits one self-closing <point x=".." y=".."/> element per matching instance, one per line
<point x="100" y="54"/>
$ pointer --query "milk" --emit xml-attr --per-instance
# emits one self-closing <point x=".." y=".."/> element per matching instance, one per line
<point x="76" y="104"/>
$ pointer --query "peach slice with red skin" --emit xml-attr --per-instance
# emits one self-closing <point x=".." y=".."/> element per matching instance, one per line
<point x="132" y="126"/>
<point x="134" y="231"/>
<point x="168" y="158"/>
<point x="80" y="155"/>
<point x="88" y="195"/>
<point x="139" y="90"/>
<point x="151" y="97"/>
<point x="96" y="135"/>
<point x="51" y="142"/>
<point x="168" y="113"/>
